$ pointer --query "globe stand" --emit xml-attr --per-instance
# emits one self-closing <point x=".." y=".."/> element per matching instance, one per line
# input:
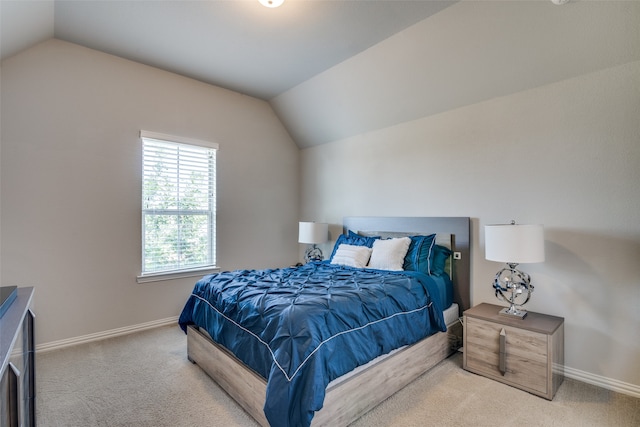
<point x="313" y="253"/>
<point x="517" y="285"/>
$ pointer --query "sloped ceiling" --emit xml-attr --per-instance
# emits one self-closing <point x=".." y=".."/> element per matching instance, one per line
<point x="237" y="44"/>
<point x="467" y="53"/>
<point x="333" y="69"/>
<point x="24" y="24"/>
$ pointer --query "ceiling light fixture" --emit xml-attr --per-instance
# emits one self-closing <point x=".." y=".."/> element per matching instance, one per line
<point x="271" y="3"/>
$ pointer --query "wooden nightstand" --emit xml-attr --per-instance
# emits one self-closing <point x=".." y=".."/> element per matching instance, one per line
<point x="532" y="358"/>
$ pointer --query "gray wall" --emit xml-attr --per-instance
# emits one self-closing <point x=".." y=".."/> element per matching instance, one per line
<point x="560" y="148"/>
<point x="71" y="178"/>
<point x="469" y="52"/>
<point x="565" y="154"/>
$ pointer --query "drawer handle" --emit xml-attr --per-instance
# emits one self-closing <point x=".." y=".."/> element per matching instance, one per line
<point x="503" y="356"/>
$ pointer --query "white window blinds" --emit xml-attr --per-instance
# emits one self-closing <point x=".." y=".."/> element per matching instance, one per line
<point x="178" y="204"/>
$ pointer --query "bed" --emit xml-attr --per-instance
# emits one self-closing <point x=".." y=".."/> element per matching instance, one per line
<point x="333" y="371"/>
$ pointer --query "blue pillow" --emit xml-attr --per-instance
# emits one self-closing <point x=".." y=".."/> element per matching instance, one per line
<point x="440" y="257"/>
<point x="353" y="239"/>
<point x="425" y="256"/>
<point x="419" y="254"/>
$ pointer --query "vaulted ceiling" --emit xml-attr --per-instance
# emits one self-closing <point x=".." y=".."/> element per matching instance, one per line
<point x="334" y="69"/>
<point x="237" y="44"/>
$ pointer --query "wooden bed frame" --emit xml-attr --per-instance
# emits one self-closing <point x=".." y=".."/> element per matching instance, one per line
<point x="347" y="400"/>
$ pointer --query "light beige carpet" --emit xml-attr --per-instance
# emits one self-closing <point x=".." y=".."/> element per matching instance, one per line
<point x="144" y="379"/>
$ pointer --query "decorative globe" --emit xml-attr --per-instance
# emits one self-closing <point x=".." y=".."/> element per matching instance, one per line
<point x="513" y="285"/>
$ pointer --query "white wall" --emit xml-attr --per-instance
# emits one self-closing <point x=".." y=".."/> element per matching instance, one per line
<point x="566" y="155"/>
<point x="469" y="52"/>
<point x="71" y="178"/>
<point x="500" y="111"/>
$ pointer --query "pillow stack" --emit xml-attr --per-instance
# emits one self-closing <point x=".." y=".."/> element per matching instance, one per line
<point x="414" y="253"/>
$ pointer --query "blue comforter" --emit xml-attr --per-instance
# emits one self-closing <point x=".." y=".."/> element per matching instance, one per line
<point x="300" y="328"/>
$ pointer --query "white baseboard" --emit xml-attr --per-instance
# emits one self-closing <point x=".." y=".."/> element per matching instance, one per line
<point x="55" y="345"/>
<point x="604" y="382"/>
<point x="576" y="374"/>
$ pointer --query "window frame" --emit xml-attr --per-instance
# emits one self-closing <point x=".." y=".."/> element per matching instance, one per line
<point x="160" y="275"/>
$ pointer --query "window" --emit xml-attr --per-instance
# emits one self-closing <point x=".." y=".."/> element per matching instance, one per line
<point x="178" y="204"/>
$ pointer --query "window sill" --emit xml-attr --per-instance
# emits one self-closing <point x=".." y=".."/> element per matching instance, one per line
<point x="178" y="274"/>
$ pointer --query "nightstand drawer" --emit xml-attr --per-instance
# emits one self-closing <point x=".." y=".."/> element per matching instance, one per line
<point x="525" y="354"/>
<point x="531" y="357"/>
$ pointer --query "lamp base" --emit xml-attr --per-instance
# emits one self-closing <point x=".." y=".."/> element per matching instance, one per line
<point x="313" y="253"/>
<point x="517" y="285"/>
<point x="515" y="313"/>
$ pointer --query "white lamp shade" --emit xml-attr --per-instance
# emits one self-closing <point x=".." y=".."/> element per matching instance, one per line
<point x="313" y="232"/>
<point x="514" y="243"/>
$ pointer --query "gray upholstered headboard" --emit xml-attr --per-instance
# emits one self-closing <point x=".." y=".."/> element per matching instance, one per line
<point x="457" y="227"/>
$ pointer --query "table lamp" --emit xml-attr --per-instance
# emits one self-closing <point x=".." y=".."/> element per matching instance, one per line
<point x="514" y="244"/>
<point x="313" y="233"/>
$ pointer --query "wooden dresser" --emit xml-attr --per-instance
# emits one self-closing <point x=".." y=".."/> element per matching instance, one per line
<point x="17" y="352"/>
<point x="530" y="356"/>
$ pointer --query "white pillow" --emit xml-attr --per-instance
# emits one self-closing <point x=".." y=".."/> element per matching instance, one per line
<point x="388" y="254"/>
<point x="352" y="256"/>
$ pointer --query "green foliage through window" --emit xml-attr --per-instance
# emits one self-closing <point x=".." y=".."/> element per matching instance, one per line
<point x="178" y="206"/>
